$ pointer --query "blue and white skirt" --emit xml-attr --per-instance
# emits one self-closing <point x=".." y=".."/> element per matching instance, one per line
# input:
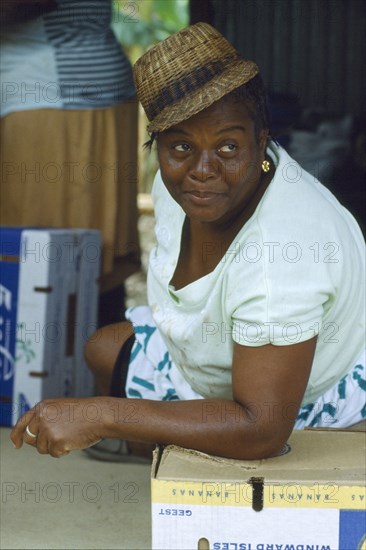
<point x="153" y="375"/>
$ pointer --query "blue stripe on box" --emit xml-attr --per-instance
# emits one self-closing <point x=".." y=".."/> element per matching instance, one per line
<point x="352" y="529"/>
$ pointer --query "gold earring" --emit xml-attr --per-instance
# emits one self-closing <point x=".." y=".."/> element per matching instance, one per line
<point x="266" y="166"/>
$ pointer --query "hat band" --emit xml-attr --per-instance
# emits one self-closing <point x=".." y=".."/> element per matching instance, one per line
<point x="188" y="84"/>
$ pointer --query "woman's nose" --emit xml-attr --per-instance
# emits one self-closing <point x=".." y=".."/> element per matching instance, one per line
<point x="203" y="168"/>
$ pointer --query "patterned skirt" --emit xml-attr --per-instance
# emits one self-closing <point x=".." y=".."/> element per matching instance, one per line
<point x="153" y="375"/>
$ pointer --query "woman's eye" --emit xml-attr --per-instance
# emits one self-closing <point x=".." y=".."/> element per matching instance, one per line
<point x="182" y="147"/>
<point x="228" y="148"/>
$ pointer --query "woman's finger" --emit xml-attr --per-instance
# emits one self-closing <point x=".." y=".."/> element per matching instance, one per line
<point x="19" y="432"/>
<point x="30" y="434"/>
<point x="58" y="454"/>
<point x="42" y="443"/>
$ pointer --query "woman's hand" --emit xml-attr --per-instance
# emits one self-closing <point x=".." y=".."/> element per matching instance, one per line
<point x="58" y="426"/>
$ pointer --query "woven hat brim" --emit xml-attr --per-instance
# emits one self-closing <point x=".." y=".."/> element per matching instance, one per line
<point x="205" y="96"/>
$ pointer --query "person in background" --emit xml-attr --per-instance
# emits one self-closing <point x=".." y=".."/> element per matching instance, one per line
<point x="69" y="130"/>
<point x="255" y="324"/>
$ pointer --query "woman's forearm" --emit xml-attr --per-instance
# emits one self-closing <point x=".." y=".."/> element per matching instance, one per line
<point x="220" y="427"/>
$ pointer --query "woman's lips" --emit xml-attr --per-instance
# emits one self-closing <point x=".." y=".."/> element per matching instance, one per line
<point x="202" y="197"/>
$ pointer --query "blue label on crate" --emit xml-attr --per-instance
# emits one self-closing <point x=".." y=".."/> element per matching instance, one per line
<point x="352" y="530"/>
<point x="24" y="405"/>
<point x="9" y="277"/>
<point x="8" y="313"/>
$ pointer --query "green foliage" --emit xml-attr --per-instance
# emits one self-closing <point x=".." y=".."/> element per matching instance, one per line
<point x="142" y="23"/>
<point x="139" y="24"/>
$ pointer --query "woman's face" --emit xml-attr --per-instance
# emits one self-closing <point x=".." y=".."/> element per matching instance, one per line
<point x="211" y="163"/>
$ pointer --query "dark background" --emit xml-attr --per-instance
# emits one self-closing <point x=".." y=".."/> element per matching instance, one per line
<point x="314" y="49"/>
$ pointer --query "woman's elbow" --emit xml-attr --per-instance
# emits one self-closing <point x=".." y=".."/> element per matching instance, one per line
<point x="263" y="440"/>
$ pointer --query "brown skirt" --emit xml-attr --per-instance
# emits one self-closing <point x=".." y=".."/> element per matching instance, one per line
<point x="74" y="169"/>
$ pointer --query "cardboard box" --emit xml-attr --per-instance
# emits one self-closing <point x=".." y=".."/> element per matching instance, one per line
<point x="49" y="294"/>
<point x="312" y="497"/>
<point x="87" y="292"/>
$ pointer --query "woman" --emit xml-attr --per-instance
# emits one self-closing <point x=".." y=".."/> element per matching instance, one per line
<point x="255" y="317"/>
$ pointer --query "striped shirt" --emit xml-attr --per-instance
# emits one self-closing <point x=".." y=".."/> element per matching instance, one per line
<point x="66" y="59"/>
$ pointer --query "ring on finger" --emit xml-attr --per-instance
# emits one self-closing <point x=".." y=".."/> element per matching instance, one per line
<point x="31" y="434"/>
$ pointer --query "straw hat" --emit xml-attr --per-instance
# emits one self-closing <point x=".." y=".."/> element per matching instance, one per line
<point x="186" y="73"/>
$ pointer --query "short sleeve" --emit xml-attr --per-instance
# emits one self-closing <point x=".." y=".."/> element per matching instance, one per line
<point x="279" y="296"/>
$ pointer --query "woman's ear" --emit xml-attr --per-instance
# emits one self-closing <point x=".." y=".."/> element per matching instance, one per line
<point x="263" y="138"/>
